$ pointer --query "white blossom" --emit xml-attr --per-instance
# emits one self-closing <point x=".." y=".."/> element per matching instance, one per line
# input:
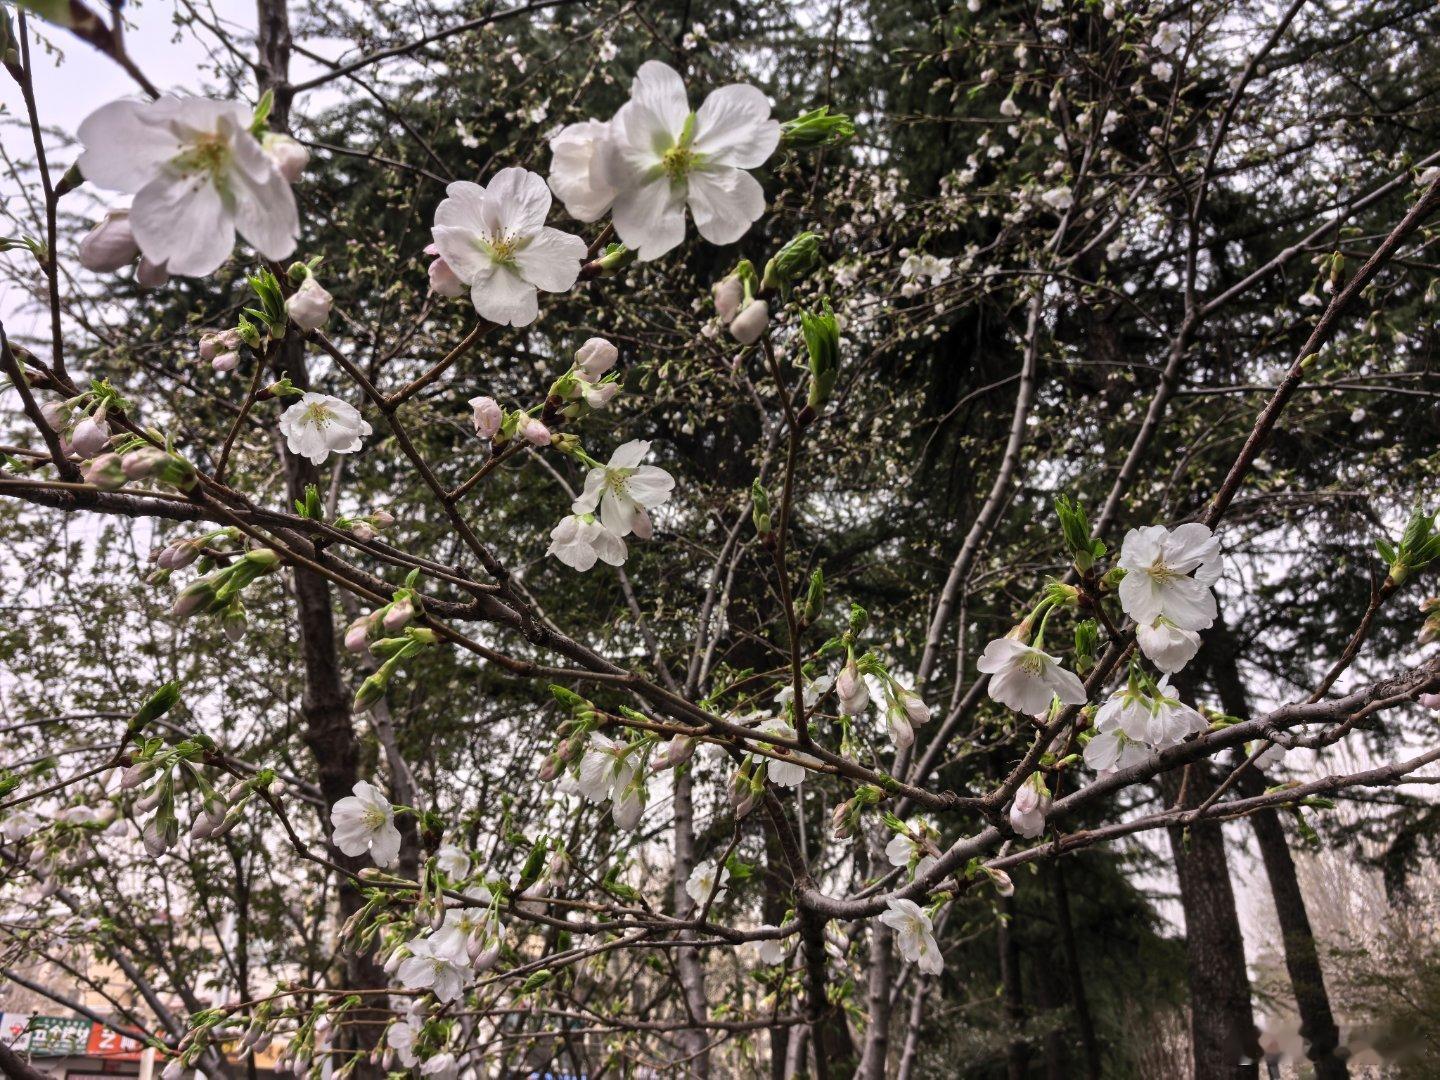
<point x="1025" y="679"/>
<point x="660" y="158"/>
<point x="579" y="541"/>
<point x="309" y="306"/>
<point x="428" y="967"/>
<point x="1158" y="564"/>
<point x="624" y="490"/>
<point x="577" y="173"/>
<point x="1166" y="645"/>
<point x="318" y="425"/>
<point x="365" y="824"/>
<point x="703" y="880"/>
<point x="495" y="240"/>
<point x="453" y="862"/>
<point x="914" y="935"/>
<point x="785" y="773"/>
<point x="198" y="176"/>
<point x="1029" y="807"/>
<point x="110" y="245"/>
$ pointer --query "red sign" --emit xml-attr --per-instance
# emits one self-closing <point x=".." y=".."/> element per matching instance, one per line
<point x="111" y="1045"/>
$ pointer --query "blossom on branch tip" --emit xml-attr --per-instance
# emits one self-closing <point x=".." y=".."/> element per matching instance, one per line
<point x="623" y="490"/>
<point x="914" y="935"/>
<point x="198" y="176"/>
<point x="660" y="158"/>
<point x="487" y="416"/>
<point x="318" y="425"/>
<point x="576" y="169"/>
<point x="429" y="967"/>
<point x="1166" y="645"/>
<point x="1025" y="679"/>
<point x="1029" y="807"/>
<point x="495" y="240"/>
<point x="364" y="823"/>
<point x="309" y="306"/>
<point x="1158" y="582"/>
<point x="786" y="770"/>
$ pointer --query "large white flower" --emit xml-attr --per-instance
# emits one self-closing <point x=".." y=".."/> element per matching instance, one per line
<point x="576" y="169"/>
<point x="1158" y="563"/>
<point x="914" y="936"/>
<point x="624" y="490"/>
<point x="579" y="540"/>
<point x="197" y="175"/>
<point x="496" y="241"/>
<point x="431" y="967"/>
<point x="705" y="879"/>
<point x="1025" y="679"/>
<point x="365" y="824"/>
<point x="661" y="157"/>
<point x="318" y="425"/>
<point x="1113" y="750"/>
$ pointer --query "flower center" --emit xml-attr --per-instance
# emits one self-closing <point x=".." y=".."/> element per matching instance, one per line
<point x="374" y="816"/>
<point x="1162" y="573"/>
<point x="1032" y="663"/>
<point x="320" y="416"/>
<point x="209" y="154"/>
<point x="502" y="248"/>
<point x="677" y="162"/>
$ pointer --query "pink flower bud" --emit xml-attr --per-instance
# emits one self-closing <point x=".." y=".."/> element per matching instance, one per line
<point x="288" y="156"/>
<point x="91" y="435"/>
<point x="596" y="357"/>
<point x="309" y="306"/>
<point x="680" y="749"/>
<point x="110" y="245"/>
<point x="149" y="275"/>
<point x="105" y="472"/>
<point x="55" y="414"/>
<point x="753" y="321"/>
<point x="138" y="464"/>
<point x="225" y="362"/>
<point x="488" y="416"/>
<point x="357" y="637"/>
<point x="443" y="280"/>
<point x="1430" y="701"/>
<point x="534" y="432"/>
<point x="399" y="615"/>
<point x="383" y="519"/>
<point x="729" y="294"/>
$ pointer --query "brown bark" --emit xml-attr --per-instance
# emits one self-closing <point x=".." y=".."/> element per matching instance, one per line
<point x="1302" y="956"/>
<point x="1074" y="975"/>
<point x="1017" y="1054"/>
<point x="1223" y="1037"/>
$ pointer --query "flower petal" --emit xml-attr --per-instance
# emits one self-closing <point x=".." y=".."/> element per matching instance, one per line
<point x="551" y="261"/>
<point x="733" y="127"/>
<point x="519" y="201"/>
<point x="124" y="148"/>
<point x="650" y="217"/>
<point x="504" y="297"/>
<point x="725" y="202"/>
<point x="658" y="87"/>
<point x="183" y="222"/>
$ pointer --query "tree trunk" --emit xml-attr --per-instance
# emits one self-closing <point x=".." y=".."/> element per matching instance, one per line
<point x="1302" y="957"/>
<point x="1074" y="975"/>
<point x="1223" y="1038"/>
<point x="1017" y="1054"/>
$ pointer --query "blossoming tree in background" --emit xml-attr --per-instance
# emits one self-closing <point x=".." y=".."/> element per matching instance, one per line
<point x="570" y="640"/>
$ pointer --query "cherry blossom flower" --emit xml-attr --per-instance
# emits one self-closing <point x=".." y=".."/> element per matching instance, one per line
<point x="318" y="425"/>
<point x="851" y="687"/>
<point x="443" y="280"/>
<point x="595" y="358"/>
<point x="705" y="879"/>
<point x="452" y="862"/>
<point x="914" y="935"/>
<point x="661" y="157"/>
<point x="1158" y="563"/>
<point x="579" y="541"/>
<point x="488" y="416"/>
<point x="365" y="824"/>
<point x="624" y="490"/>
<point x="577" y="174"/>
<point x="309" y="306"/>
<point x="110" y="245"/>
<point x="533" y="430"/>
<point x="788" y="773"/>
<point x="1112" y="750"/>
<point x="1029" y="807"/>
<point x="904" y="849"/>
<point x="772" y="950"/>
<point x="198" y="175"/>
<point x="608" y="771"/>
<point x="1025" y="679"/>
<point x="1171" y="720"/>
<point x="428" y="967"/>
<point x="91" y="435"/>
<point x="496" y="241"/>
<point x="288" y="156"/>
<point x="1166" y="645"/>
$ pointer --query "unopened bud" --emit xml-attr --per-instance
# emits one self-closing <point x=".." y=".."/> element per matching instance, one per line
<point x="106" y="472"/>
<point x="751" y="323"/>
